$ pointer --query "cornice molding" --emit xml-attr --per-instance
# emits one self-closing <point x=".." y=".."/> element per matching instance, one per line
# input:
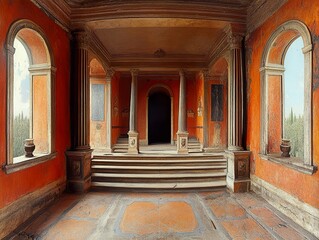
<point x="159" y="9"/>
<point x="259" y="11"/>
<point x="230" y="39"/>
<point x="85" y="38"/>
<point x="58" y="10"/>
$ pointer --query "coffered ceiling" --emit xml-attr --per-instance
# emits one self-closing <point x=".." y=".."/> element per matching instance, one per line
<point x="153" y="33"/>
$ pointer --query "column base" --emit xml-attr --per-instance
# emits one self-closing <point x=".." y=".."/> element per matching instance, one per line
<point x="235" y="148"/>
<point x="133" y="142"/>
<point x="238" y="171"/>
<point x="78" y="170"/>
<point x="182" y="142"/>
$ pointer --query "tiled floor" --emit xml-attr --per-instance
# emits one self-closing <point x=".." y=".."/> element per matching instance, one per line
<point x="206" y="215"/>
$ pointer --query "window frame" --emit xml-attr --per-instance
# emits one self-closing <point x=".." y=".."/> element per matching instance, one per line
<point x="269" y="69"/>
<point x="46" y="69"/>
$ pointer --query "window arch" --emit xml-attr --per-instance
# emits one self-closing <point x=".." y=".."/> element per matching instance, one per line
<point x="30" y="92"/>
<point x="274" y="84"/>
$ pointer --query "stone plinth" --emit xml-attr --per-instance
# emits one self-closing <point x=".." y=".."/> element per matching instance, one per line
<point x="133" y="142"/>
<point x="78" y="170"/>
<point x="182" y="142"/>
<point x="238" y="171"/>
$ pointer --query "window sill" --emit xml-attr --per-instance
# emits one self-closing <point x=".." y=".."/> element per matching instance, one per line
<point x="290" y="162"/>
<point x="28" y="162"/>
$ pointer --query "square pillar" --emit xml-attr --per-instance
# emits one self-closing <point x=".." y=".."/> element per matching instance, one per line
<point x="238" y="171"/>
<point x="182" y="142"/>
<point x="79" y="170"/>
<point x="133" y="142"/>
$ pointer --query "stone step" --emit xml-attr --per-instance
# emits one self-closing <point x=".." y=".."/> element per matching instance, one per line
<point x="165" y="157"/>
<point x="156" y="169"/>
<point x="156" y="162"/>
<point x="159" y="177"/>
<point x="159" y="186"/>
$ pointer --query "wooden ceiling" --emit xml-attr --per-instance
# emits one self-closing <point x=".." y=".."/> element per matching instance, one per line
<point x="153" y="33"/>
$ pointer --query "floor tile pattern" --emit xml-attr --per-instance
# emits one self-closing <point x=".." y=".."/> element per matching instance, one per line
<point x="193" y="215"/>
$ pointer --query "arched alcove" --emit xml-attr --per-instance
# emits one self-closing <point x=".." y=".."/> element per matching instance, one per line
<point x="31" y="87"/>
<point x="273" y="82"/>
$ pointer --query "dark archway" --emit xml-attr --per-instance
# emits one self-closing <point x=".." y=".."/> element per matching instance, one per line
<point x="159" y="118"/>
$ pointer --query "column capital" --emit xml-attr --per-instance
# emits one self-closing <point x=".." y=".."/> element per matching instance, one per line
<point x="82" y="39"/>
<point x="109" y="74"/>
<point x="235" y="41"/>
<point x="206" y="74"/>
<point x="134" y="72"/>
<point x="182" y="73"/>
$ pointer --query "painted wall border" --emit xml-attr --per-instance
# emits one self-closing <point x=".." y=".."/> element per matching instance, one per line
<point x="18" y="212"/>
<point x="302" y="213"/>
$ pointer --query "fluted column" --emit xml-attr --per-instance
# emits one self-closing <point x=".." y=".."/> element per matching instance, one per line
<point x="79" y="156"/>
<point x="182" y="134"/>
<point x="238" y="170"/>
<point x="205" y="74"/>
<point x="109" y="76"/>
<point x="235" y="99"/>
<point x="133" y="144"/>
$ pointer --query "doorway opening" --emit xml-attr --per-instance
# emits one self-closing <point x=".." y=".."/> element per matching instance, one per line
<point x="159" y="118"/>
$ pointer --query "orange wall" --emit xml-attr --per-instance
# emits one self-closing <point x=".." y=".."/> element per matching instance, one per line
<point x="116" y="108"/>
<point x="303" y="186"/>
<point x="15" y="185"/>
<point x="40" y="111"/>
<point x="274" y="116"/>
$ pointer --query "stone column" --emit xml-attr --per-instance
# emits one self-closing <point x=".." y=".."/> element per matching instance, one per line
<point x="238" y="170"/>
<point x="109" y="76"/>
<point x="79" y="156"/>
<point x="133" y="139"/>
<point x="235" y="95"/>
<point x="182" y="134"/>
<point x="205" y="74"/>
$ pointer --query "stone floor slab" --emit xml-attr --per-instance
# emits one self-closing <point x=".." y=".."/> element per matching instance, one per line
<point x="212" y="215"/>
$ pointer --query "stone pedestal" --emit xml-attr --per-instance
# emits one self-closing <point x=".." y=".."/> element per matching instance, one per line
<point x="238" y="171"/>
<point x="79" y="170"/>
<point x="182" y="142"/>
<point x="133" y="142"/>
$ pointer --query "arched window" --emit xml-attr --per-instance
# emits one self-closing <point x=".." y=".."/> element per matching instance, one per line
<point x="286" y="95"/>
<point x="30" y="82"/>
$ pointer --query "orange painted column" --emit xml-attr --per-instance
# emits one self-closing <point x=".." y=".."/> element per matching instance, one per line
<point x="79" y="157"/>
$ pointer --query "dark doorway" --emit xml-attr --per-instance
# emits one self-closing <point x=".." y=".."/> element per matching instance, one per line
<point x="159" y="118"/>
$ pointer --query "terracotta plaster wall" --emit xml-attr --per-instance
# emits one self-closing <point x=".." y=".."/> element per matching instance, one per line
<point x="198" y="99"/>
<point x="15" y="185"/>
<point x="304" y="187"/>
<point x="116" y="109"/>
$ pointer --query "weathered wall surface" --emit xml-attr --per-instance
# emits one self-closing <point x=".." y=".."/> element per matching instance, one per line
<point x="16" y="185"/>
<point x="301" y="186"/>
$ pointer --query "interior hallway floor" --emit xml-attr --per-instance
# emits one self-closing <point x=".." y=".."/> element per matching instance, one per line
<point x="192" y="215"/>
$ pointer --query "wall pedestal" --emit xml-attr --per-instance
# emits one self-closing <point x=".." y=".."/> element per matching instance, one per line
<point x="133" y="142"/>
<point x="238" y="171"/>
<point x="79" y="170"/>
<point x="182" y="142"/>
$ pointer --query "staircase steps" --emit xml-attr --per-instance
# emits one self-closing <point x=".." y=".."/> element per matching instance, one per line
<point x="154" y="172"/>
<point x="194" y="145"/>
<point x="121" y="145"/>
